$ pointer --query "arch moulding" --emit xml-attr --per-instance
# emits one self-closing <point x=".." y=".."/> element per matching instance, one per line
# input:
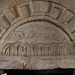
<point x="36" y="16"/>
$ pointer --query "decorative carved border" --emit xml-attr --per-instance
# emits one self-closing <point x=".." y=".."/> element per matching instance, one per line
<point x="24" y="13"/>
<point x="31" y="10"/>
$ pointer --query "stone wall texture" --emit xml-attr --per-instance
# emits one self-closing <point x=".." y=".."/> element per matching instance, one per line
<point x="37" y="34"/>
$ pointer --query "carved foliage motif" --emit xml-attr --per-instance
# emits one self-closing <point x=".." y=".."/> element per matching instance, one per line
<point x="35" y="32"/>
<point x="26" y="12"/>
<point x="25" y="49"/>
<point x="17" y="12"/>
<point x="38" y="39"/>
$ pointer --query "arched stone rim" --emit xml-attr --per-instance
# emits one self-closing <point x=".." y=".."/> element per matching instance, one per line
<point x="44" y="17"/>
<point x="36" y="18"/>
<point x="26" y="62"/>
<point x="53" y="1"/>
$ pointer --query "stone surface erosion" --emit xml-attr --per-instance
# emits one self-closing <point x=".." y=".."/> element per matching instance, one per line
<point x="37" y="34"/>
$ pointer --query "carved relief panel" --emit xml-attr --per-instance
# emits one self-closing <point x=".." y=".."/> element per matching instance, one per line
<point x="33" y="37"/>
<point x="35" y="28"/>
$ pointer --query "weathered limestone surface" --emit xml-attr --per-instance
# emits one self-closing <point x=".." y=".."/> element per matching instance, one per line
<point x="37" y="34"/>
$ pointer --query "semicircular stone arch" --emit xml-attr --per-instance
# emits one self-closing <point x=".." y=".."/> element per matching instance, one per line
<point x="30" y="11"/>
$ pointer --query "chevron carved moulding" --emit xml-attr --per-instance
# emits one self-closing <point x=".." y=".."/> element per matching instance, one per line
<point x="36" y="34"/>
